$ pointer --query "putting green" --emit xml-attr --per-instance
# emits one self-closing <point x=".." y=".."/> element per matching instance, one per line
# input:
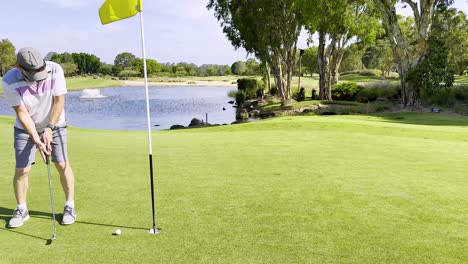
<point x="306" y="189"/>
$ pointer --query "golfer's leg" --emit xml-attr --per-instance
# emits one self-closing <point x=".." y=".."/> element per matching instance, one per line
<point x="25" y="150"/>
<point x="60" y="159"/>
<point x="67" y="179"/>
<point x="20" y="184"/>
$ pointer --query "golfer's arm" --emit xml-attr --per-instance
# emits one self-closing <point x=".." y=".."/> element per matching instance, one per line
<point x="27" y="122"/>
<point x="57" y="109"/>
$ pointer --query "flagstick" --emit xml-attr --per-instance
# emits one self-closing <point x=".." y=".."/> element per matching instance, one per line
<point x="150" y="146"/>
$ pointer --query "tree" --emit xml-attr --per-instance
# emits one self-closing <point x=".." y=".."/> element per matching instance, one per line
<point x="61" y="58"/>
<point x="224" y="70"/>
<point x="7" y="56"/>
<point x="337" y="23"/>
<point x="50" y="55"/>
<point x="69" y="69"/>
<point x="105" y="69"/>
<point x="451" y="26"/>
<point x="310" y="61"/>
<point x="379" y="57"/>
<point x="433" y="73"/>
<point x="239" y="68"/>
<point x="352" y="58"/>
<point x="253" y="67"/>
<point x="125" y="60"/>
<point x="407" y="56"/>
<point x="152" y="66"/>
<point x="267" y="29"/>
<point x="86" y="63"/>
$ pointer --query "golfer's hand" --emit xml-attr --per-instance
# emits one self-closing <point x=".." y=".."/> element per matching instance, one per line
<point x="43" y="150"/>
<point x="47" y="139"/>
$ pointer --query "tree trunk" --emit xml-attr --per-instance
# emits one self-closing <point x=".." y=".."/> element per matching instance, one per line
<point x="337" y="57"/>
<point x="324" y="67"/>
<point x="268" y="72"/>
<point x="278" y="72"/>
<point x="404" y="59"/>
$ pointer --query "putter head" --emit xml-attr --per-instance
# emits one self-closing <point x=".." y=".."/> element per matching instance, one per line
<point x="154" y="231"/>
<point x="54" y="237"/>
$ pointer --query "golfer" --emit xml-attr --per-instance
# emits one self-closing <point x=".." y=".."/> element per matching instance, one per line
<point x="36" y="90"/>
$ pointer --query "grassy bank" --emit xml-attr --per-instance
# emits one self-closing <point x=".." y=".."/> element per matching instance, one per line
<point x="79" y="83"/>
<point x="305" y="189"/>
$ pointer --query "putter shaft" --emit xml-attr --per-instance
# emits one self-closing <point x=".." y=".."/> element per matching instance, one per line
<point x="54" y="236"/>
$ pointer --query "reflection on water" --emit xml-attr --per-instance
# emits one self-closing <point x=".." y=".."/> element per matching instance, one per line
<point x="124" y="108"/>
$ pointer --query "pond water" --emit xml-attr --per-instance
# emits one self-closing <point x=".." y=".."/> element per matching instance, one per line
<point x="124" y="108"/>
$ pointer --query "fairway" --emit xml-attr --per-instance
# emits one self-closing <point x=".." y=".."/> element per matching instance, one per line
<point x="303" y="189"/>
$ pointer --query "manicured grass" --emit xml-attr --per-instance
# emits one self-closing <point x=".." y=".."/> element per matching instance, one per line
<point x="304" y="189"/>
<point x="78" y="83"/>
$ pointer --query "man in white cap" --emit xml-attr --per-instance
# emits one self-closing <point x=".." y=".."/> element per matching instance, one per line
<point x="36" y="90"/>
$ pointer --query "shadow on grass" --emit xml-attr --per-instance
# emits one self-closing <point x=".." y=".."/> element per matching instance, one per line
<point x="6" y="213"/>
<point x="429" y="119"/>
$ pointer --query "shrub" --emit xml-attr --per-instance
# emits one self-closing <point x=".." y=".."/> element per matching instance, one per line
<point x="460" y="109"/>
<point x="442" y="97"/>
<point x="299" y="95"/>
<point x="273" y="90"/>
<point x="249" y="86"/>
<point x="232" y="94"/>
<point x="241" y="96"/>
<point x="345" y="91"/>
<point x="460" y="93"/>
<point x="368" y="94"/>
<point x="373" y="90"/>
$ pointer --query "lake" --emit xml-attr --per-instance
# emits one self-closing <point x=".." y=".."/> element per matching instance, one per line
<point x="124" y="108"/>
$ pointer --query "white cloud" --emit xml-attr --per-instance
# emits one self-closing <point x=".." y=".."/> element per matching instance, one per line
<point x="71" y="3"/>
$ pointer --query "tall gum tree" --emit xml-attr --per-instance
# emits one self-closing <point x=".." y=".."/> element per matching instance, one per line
<point x="407" y="56"/>
<point x="268" y="29"/>
<point x="338" y="24"/>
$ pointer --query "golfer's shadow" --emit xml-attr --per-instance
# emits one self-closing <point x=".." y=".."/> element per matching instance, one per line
<point x="6" y="213"/>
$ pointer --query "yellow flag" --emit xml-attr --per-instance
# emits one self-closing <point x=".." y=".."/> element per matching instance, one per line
<point x="113" y="10"/>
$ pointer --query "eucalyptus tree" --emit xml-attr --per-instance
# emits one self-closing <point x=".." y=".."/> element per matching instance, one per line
<point x="451" y="25"/>
<point x="268" y="29"/>
<point x="407" y="56"/>
<point x="379" y="56"/>
<point x="310" y="60"/>
<point x="338" y="23"/>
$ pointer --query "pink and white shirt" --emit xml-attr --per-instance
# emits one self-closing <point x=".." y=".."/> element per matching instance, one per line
<point x="37" y="97"/>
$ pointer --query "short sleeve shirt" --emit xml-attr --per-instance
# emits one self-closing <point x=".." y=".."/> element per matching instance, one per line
<point x="37" y="97"/>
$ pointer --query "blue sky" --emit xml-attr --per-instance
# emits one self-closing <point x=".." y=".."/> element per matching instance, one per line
<point x="175" y="30"/>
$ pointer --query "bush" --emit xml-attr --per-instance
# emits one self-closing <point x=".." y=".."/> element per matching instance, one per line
<point x="249" y="87"/>
<point x="369" y="94"/>
<point x="273" y="90"/>
<point x="345" y="91"/>
<point x="232" y="94"/>
<point x="460" y="109"/>
<point x="373" y="90"/>
<point x="442" y="97"/>
<point x="460" y="93"/>
<point x="299" y="95"/>
<point x="241" y="96"/>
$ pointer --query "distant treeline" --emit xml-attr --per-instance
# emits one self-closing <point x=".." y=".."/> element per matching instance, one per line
<point x="128" y="65"/>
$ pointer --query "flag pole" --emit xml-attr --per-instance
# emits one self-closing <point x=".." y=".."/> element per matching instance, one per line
<point x="148" y="120"/>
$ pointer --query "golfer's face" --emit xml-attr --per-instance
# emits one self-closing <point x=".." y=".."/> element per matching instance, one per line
<point x="23" y="71"/>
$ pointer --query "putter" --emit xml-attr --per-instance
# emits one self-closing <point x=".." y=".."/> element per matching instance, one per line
<point x="54" y="236"/>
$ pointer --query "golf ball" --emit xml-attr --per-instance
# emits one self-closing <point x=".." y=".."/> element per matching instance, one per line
<point x="117" y="232"/>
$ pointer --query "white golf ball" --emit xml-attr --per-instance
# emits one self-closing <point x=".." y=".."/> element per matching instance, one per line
<point x="118" y="232"/>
